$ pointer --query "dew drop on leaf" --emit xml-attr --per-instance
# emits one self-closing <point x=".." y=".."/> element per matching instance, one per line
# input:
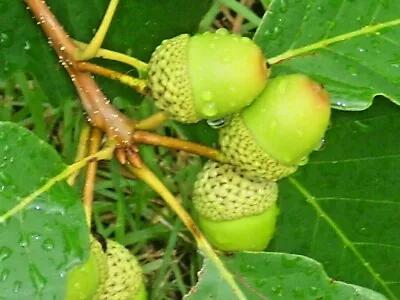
<point x="17" y="286"/>
<point x="283" y="6"/>
<point x="23" y="241"/>
<point x="320" y="146"/>
<point x="303" y="161"/>
<point x="298" y="293"/>
<point x="259" y="283"/>
<point x="5" y="253"/>
<point x="5" y="40"/>
<point x="289" y="262"/>
<point x="4" y="275"/>
<point x="48" y="244"/>
<point x="38" y="280"/>
<point x="277" y="290"/>
<point x="313" y="291"/>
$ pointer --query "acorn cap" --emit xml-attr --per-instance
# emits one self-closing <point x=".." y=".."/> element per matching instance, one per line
<point x="168" y="79"/>
<point x="125" y="279"/>
<point x="289" y="118"/>
<point x="206" y="76"/>
<point x="87" y="281"/>
<point x="239" y="147"/>
<point x="223" y="192"/>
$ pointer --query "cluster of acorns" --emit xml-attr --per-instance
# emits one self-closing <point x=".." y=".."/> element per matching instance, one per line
<point x="274" y="125"/>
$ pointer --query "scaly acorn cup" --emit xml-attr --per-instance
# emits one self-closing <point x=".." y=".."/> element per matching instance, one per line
<point x="234" y="211"/>
<point x="125" y="276"/>
<point x="276" y="133"/>
<point x="207" y="76"/>
<point x="87" y="281"/>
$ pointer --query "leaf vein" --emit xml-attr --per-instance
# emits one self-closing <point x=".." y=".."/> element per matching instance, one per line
<point x="346" y="241"/>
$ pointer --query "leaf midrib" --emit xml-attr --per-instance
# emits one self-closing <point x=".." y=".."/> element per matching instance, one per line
<point x="346" y="241"/>
<point x="325" y="42"/>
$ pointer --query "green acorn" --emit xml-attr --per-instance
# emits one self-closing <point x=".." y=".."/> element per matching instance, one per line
<point x="276" y="133"/>
<point x="236" y="212"/>
<point x="207" y="76"/>
<point x="125" y="276"/>
<point x="87" y="281"/>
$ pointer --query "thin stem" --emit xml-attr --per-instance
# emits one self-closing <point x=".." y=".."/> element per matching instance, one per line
<point x="117" y="56"/>
<point x="81" y="151"/>
<point x="140" y="85"/>
<point x="210" y="16"/>
<point x="153" y="122"/>
<point x="106" y="153"/>
<point x="148" y="138"/>
<point x="88" y="190"/>
<point x="324" y="43"/>
<point x="150" y="179"/>
<point x="242" y="10"/>
<point x="95" y="44"/>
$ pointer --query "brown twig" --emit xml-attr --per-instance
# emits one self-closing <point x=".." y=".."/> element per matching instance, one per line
<point x="238" y="21"/>
<point x="144" y="137"/>
<point x="101" y="113"/>
<point x="88" y="190"/>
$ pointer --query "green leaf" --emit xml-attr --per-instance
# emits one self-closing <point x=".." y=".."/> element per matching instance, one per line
<point x="343" y="207"/>
<point x="351" y="48"/>
<point x="44" y="240"/>
<point x="275" y="276"/>
<point x="136" y="29"/>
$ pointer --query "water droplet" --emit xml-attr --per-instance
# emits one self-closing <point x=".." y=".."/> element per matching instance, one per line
<point x="276" y="32"/>
<point x="290" y="262"/>
<point x="277" y="290"/>
<point x="48" y="244"/>
<point x="5" y="253"/>
<point x="222" y="31"/>
<point x="320" y="146"/>
<point x="303" y="161"/>
<point x="38" y="280"/>
<point x="260" y="283"/>
<point x="17" y="286"/>
<point x="283" y="6"/>
<point x="218" y="123"/>
<point x="298" y="293"/>
<point x="313" y="291"/>
<point x="340" y="104"/>
<point x="23" y="241"/>
<point x="207" y="95"/>
<point x="27" y="45"/>
<point x="247" y="268"/>
<point x="5" y="40"/>
<point x="4" y="275"/>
